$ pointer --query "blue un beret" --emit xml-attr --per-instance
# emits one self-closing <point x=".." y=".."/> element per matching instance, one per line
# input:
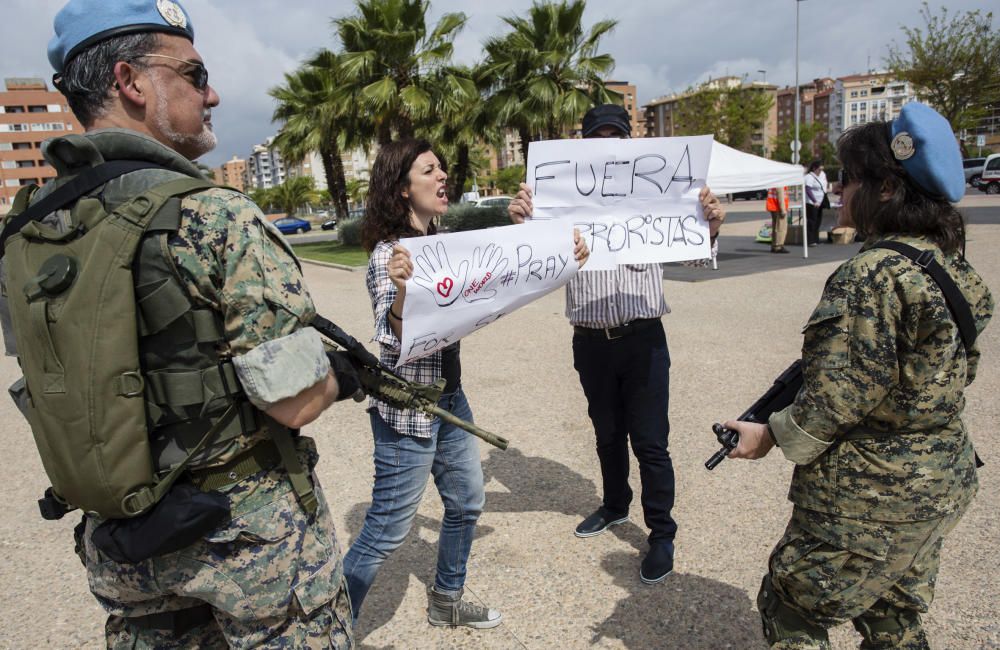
<point x="925" y="145"/>
<point x="82" y="23"/>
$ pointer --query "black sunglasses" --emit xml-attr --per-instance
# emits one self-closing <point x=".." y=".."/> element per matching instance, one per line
<point x="845" y="177"/>
<point x="197" y="74"/>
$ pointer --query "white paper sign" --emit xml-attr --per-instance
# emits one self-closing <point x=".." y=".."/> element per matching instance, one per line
<point x="634" y="201"/>
<point x="464" y="281"/>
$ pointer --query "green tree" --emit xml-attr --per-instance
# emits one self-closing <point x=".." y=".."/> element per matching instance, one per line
<point x="295" y="193"/>
<point x="731" y="114"/>
<point x="462" y="124"/>
<point x="508" y="179"/>
<point x="954" y="62"/>
<point x="388" y="60"/>
<point x="311" y="106"/>
<point x="544" y="74"/>
<point x="357" y="190"/>
<point x="807" y="134"/>
<point x="263" y="198"/>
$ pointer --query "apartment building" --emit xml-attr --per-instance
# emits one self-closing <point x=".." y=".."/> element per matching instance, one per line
<point x="232" y="173"/>
<point x="865" y="98"/>
<point x="663" y="116"/>
<point x="29" y="114"/>
<point x="265" y="167"/>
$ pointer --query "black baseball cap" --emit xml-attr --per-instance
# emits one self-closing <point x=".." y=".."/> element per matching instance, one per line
<point x="606" y="115"/>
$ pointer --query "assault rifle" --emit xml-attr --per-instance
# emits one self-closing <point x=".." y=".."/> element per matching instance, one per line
<point x="781" y="394"/>
<point x="379" y="381"/>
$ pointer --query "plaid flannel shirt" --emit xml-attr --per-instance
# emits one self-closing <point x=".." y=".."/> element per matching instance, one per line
<point x="426" y="370"/>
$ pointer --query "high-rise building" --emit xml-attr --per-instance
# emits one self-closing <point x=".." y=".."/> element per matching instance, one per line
<point x="265" y="167"/>
<point x="29" y="114"/>
<point x="866" y="98"/>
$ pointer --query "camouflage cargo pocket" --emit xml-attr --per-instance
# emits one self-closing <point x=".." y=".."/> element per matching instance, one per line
<point x="247" y="568"/>
<point x="827" y="335"/>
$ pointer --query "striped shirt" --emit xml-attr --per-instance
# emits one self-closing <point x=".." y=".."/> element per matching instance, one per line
<point x="601" y="299"/>
<point x="426" y="370"/>
<point x="611" y="298"/>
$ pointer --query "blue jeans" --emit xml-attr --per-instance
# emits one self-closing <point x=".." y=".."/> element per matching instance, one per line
<point x="402" y="465"/>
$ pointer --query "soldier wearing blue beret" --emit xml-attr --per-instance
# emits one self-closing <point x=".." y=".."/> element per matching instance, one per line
<point x="884" y="467"/>
<point x="241" y="550"/>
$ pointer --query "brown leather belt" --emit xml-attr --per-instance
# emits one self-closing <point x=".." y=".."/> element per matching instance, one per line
<point x="618" y="331"/>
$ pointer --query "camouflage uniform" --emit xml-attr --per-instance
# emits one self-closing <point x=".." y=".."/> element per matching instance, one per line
<point x="884" y="466"/>
<point x="272" y="575"/>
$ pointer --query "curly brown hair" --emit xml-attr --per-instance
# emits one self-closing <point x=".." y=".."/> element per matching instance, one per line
<point x="387" y="215"/>
<point x="909" y="209"/>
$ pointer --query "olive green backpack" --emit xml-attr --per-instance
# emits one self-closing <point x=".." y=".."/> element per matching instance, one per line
<point x="72" y="299"/>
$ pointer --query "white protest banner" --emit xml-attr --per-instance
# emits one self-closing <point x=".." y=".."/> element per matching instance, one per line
<point x="634" y="201"/>
<point x="464" y="281"/>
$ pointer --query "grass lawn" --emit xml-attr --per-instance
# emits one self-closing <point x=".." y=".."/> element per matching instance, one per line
<point x="331" y="251"/>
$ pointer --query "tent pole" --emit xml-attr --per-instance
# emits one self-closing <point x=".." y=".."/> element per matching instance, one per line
<point x="805" y="224"/>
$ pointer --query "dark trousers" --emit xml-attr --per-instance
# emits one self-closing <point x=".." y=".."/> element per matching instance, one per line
<point x="627" y="383"/>
<point x="814" y="218"/>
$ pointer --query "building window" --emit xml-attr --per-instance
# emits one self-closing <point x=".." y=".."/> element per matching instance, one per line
<point x="13" y="109"/>
<point x="854" y="93"/>
<point x="864" y="93"/>
<point x="6" y="146"/>
<point x="21" y="164"/>
<point x="11" y="182"/>
<point x="28" y="181"/>
<point x="8" y="164"/>
<point x="37" y="109"/>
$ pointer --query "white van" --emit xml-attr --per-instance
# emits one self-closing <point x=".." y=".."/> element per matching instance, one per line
<point x="989" y="182"/>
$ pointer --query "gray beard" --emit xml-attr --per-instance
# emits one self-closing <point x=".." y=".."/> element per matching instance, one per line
<point x="199" y="144"/>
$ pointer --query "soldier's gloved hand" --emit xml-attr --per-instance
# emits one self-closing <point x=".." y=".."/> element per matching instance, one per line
<point x="345" y="372"/>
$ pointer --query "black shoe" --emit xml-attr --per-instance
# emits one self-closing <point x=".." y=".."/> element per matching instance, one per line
<point x="658" y="563"/>
<point x="598" y="522"/>
<point x="779" y="249"/>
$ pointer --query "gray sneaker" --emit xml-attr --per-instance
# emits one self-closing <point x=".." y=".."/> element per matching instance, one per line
<point x="452" y="611"/>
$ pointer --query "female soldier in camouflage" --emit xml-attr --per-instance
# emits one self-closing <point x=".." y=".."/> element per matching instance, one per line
<point x="884" y="466"/>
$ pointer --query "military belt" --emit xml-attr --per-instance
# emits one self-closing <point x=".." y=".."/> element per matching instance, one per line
<point x="618" y="331"/>
<point x="177" y="622"/>
<point x="262" y="456"/>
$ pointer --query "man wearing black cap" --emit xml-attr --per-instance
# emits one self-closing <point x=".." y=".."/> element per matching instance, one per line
<point x="219" y="364"/>
<point x="620" y="352"/>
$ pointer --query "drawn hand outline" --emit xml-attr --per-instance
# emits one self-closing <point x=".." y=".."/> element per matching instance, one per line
<point x="437" y="275"/>
<point x="490" y="261"/>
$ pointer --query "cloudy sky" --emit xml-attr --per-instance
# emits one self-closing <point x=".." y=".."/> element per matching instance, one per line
<point x="662" y="46"/>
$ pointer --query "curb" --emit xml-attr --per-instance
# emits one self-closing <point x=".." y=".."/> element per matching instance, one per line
<point x="331" y="265"/>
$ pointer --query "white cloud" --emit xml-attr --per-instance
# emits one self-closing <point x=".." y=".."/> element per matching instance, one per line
<point x="662" y="46"/>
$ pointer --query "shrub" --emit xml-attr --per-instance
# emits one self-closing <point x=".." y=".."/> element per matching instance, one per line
<point x="464" y="217"/>
<point x="350" y="232"/>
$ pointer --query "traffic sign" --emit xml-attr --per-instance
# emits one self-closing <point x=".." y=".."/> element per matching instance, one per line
<point x="795" y="145"/>
<point x="980" y="140"/>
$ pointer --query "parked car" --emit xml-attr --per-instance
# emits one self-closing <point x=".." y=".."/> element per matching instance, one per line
<point x="973" y="170"/>
<point x="329" y="224"/>
<point x="989" y="182"/>
<point x="494" y="202"/>
<point x="751" y="195"/>
<point x="290" y="225"/>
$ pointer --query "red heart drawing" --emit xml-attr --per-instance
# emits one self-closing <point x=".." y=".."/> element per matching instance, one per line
<point x="445" y="286"/>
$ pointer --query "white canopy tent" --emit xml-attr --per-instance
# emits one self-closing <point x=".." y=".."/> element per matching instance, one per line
<point x="731" y="170"/>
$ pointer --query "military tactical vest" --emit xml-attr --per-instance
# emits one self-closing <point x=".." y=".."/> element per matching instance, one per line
<point x="124" y="379"/>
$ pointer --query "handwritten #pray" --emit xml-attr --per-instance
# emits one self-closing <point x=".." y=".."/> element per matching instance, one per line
<point x="634" y="201"/>
<point x="464" y="281"/>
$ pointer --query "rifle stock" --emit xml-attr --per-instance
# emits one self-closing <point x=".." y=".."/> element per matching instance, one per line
<point x="381" y="382"/>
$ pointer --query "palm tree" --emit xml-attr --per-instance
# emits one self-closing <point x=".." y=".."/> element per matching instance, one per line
<point x="462" y="123"/>
<point x="295" y="193"/>
<point x="387" y="60"/>
<point x="544" y="74"/>
<point x="311" y="103"/>
<point x="357" y="190"/>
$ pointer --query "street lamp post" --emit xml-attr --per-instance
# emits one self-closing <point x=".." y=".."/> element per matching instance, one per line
<point x="796" y="144"/>
<point x="763" y="76"/>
